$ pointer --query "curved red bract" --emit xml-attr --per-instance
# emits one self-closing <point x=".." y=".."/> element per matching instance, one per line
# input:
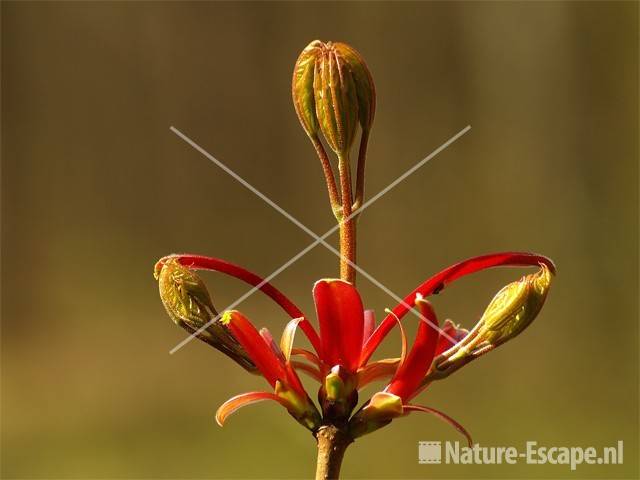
<point x="440" y="280"/>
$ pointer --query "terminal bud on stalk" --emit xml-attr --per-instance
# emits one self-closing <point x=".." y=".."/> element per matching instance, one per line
<point x="333" y="93"/>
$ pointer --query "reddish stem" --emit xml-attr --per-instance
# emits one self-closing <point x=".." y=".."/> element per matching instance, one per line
<point x="362" y="157"/>
<point x="329" y="178"/>
<point x="347" y="223"/>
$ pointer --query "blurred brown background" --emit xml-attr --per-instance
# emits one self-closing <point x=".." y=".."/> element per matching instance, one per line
<point x="95" y="188"/>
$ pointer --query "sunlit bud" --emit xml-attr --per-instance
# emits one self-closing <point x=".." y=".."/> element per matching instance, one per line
<point x="187" y="301"/>
<point x="338" y="395"/>
<point x="333" y="91"/>
<point x="300" y="407"/>
<point x="509" y="313"/>
<point x="334" y="386"/>
<point x="378" y="412"/>
<point x="302" y="88"/>
<point x="365" y="88"/>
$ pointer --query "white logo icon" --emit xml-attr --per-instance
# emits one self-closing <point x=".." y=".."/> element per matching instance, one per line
<point x="429" y="452"/>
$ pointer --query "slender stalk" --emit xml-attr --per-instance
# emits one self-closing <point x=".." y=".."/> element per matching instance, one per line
<point x="362" y="157"/>
<point x="328" y="176"/>
<point x="347" y="224"/>
<point x="332" y="443"/>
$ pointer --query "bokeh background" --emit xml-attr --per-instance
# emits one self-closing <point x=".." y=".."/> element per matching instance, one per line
<point x="95" y="188"/>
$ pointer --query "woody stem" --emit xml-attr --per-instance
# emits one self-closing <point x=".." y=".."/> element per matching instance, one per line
<point x="332" y="443"/>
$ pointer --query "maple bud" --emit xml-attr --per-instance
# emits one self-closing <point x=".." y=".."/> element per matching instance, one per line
<point x="510" y="311"/>
<point x="188" y="303"/>
<point x="376" y="413"/>
<point x="333" y="92"/>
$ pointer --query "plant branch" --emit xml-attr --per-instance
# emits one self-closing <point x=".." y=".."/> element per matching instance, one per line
<point x="328" y="176"/>
<point x="332" y="443"/>
<point x="362" y="157"/>
<point x="347" y="224"/>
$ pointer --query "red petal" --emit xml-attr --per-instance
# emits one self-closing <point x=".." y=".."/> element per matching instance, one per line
<point x="262" y="355"/>
<point x="200" y="262"/>
<point x="436" y="283"/>
<point x="310" y="370"/>
<point x="409" y="375"/>
<point x="312" y="357"/>
<point x="403" y="340"/>
<point x="377" y="370"/>
<point x="233" y="404"/>
<point x="341" y="317"/>
<point x="442" y="416"/>
<point x="369" y="325"/>
<point x="288" y="336"/>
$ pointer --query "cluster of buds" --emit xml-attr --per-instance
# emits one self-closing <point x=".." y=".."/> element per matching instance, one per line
<point x="333" y="93"/>
<point x="348" y="337"/>
<point x="510" y="311"/>
<point x="188" y="303"/>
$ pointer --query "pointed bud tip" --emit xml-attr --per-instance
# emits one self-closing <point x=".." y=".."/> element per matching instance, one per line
<point x="516" y="305"/>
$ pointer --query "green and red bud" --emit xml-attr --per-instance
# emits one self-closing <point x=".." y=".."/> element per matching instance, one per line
<point x="378" y="412"/>
<point x="384" y="407"/>
<point x="188" y="303"/>
<point x="299" y="406"/>
<point x="510" y="311"/>
<point x="338" y="394"/>
<point x="333" y="92"/>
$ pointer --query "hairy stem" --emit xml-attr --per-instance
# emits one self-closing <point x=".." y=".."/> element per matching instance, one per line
<point x="347" y="223"/>
<point x="362" y="157"/>
<point x="328" y="176"/>
<point x="332" y="443"/>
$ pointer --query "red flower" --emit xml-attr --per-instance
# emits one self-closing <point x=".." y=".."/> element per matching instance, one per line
<point x="348" y="338"/>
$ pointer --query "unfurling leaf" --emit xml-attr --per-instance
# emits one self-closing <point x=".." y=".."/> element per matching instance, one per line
<point x="511" y="311"/>
<point x="186" y="299"/>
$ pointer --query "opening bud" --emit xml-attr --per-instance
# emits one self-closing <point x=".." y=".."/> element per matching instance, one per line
<point x="188" y="303"/>
<point x="338" y="395"/>
<point x="378" y="412"/>
<point x="511" y="311"/>
<point x="300" y="407"/>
